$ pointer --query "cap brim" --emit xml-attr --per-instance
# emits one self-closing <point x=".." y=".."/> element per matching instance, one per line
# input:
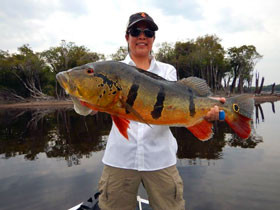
<point x="152" y="25"/>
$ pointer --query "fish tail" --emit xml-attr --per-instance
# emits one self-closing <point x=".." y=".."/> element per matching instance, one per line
<point x="239" y="114"/>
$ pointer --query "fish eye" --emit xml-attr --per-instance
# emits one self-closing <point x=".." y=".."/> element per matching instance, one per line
<point x="235" y="107"/>
<point x="90" y="71"/>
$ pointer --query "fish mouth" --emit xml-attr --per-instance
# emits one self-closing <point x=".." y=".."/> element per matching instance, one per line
<point x="65" y="82"/>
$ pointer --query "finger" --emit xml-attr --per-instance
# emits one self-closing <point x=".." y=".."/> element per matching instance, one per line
<point x="216" y="113"/>
<point x="223" y="100"/>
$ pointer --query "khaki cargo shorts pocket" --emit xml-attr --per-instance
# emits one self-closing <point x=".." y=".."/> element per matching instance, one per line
<point x="103" y="187"/>
<point x="178" y="188"/>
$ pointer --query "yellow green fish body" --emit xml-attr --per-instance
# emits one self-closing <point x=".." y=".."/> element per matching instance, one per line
<point x="129" y="93"/>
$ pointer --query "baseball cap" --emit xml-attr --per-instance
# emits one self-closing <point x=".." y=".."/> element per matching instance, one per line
<point x="141" y="16"/>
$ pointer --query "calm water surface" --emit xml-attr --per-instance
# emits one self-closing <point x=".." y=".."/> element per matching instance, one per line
<point x="51" y="159"/>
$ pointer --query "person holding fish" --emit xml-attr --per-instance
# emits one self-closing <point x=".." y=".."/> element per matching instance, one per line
<point x="149" y="157"/>
<point x="144" y="99"/>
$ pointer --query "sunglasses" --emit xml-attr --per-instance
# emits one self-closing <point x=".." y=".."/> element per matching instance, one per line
<point x="135" y="32"/>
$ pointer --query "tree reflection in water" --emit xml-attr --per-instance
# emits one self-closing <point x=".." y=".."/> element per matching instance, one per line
<point x="57" y="133"/>
<point x="61" y="133"/>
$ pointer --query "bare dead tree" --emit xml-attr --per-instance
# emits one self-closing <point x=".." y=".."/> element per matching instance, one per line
<point x="10" y="95"/>
<point x="260" y="90"/>
<point x="37" y="116"/>
<point x="272" y="89"/>
<point x="30" y="84"/>
<point x="257" y="82"/>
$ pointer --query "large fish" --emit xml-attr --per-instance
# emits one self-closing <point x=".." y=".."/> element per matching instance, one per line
<point x="130" y="93"/>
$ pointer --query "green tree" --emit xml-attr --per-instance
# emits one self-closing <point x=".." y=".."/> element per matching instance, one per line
<point x="10" y="86"/>
<point x="166" y="53"/>
<point x="120" y="54"/>
<point x="204" y="58"/>
<point x="22" y="73"/>
<point x="212" y="57"/>
<point x="242" y="60"/>
<point x="67" y="56"/>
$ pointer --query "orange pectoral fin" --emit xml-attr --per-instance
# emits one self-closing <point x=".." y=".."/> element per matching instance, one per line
<point x="122" y="124"/>
<point x="203" y="130"/>
<point x="89" y="105"/>
<point x="240" y="125"/>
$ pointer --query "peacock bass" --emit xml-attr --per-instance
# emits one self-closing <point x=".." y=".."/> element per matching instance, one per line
<point x="129" y="93"/>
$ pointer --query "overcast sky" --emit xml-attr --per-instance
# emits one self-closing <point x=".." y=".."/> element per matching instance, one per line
<point x="100" y="25"/>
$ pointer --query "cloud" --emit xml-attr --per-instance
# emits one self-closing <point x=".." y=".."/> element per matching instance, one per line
<point x="231" y="22"/>
<point x="188" y="9"/>
<point x="100" y="25"/>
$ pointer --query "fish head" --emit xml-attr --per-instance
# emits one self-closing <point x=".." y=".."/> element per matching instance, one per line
<point x="90" y="84"/>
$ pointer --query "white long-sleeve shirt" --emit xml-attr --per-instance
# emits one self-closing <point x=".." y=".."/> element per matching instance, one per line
<point x="149" y="148"/>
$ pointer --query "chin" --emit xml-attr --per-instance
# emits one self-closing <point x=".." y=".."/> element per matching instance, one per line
<point x="143" y="52"/>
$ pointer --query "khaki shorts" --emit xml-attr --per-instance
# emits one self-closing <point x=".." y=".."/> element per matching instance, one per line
<point x="119" y="188"/>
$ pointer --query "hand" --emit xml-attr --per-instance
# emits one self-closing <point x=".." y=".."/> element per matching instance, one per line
<point x="213" y="114"/>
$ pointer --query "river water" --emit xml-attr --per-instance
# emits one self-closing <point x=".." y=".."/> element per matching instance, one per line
<point x="51" y="159"/>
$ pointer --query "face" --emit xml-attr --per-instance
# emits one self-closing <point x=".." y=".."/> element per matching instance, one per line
<point x="140" y="46"/>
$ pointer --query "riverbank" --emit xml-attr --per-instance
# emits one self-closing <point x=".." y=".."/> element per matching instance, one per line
<point x="68" y="103"/>
<point x="37" y="104"/>
<point x="259" y="99"/>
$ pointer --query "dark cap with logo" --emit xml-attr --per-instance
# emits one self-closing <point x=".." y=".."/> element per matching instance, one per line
<point x="141" y="16"/>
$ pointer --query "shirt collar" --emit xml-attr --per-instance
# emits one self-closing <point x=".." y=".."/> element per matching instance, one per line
<point x="129" y="61"/>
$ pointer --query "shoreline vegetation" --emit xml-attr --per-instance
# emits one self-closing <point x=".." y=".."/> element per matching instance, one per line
<point x="28" y="78"/>
<point x="67" y="103"/>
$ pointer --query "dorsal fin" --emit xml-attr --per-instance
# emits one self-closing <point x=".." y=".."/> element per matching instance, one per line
<point x="148" y="73"/>
<point x="198" y="85"/>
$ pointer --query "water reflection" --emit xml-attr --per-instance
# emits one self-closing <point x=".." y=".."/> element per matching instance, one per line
<point x="259" y="111"/>
<point x="57" y="133"/>
<point x="62" y="133"/>
<point x="235" y="178"/>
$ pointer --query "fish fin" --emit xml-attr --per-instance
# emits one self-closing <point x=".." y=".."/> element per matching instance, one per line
<point x="149" y="74"/>
<point x="202" y="130"/>
<point x="134" y="112"/>
<point x="122" y="124"/>
<point x="89" y="105"/>
<point x="79" y="108"/>
<point x="199" y="86"/>
<point x="241" y="125"/>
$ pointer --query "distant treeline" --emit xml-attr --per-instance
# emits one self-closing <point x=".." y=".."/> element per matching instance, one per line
<point x="29" y="74"/>
<point x="268" y="88"/>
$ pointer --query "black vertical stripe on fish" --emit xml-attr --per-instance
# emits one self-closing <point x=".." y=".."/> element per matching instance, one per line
<point x="132" y="94"/>
<point x="191" y="105"/>
<point x="158" y="107"/>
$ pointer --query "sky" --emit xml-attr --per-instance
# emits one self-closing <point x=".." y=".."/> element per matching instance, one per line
<point x="100" y="25"/>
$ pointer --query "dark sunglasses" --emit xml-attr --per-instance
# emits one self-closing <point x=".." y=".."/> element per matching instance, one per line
<point x="137" y="31"/>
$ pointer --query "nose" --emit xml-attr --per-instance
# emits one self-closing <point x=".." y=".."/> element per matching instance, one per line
<point x="142" y="35"/>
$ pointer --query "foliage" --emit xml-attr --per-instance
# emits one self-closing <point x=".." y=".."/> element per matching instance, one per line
<point x="120" y="54"/>
<point x="203" y="58"/>
<point x="206" y="58"/>
<point x="22" y="72"/>
<point x="32" y="74"/>
<point x="242" y="60"/>
<point x="67" y="56"/>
